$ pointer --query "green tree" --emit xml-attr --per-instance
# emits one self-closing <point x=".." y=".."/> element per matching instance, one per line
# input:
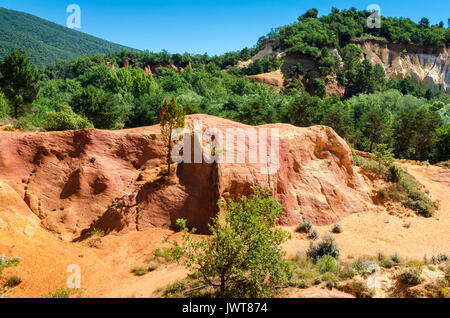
<point x="3" y="106"/>
<point x="171" y="117"/>
<point x="415" y="133"/>
<point x="104" y="109"/>
<point x="375" y="126"/>
<point x="65" y="119"/>
<point x="19" y="82"/>
<point x="243" y="256"/>
<point x="303" y="111"/>
<point x="320" y="88"/>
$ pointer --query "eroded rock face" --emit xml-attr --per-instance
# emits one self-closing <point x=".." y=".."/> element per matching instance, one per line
<point x="426" y="66"/>
<point x="76" y="181"/>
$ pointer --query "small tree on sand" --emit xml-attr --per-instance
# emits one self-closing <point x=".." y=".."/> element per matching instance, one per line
<point x="242" y="257"/>
<point x="171" y="117"/>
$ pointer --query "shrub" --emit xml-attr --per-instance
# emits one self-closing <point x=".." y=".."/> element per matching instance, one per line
<point x="337" y="228"/>
<point x="13" y="281"/>
<point x="8" y="262"/>
<point x="139" y="271"/>
<point x="387" y="263"/>
<point x="395" y="173"/>
<point x="65" y="293"/>
<point x="442" y="258"/>
<point x="305" y="227"/>
<point x="410" y="276"/>
<point x="242" y="256"/>
<point x="163" y="253"/>
<point x="65" y="119"/>
<point x="358" y="289"/>
<point x="327" y="264"/>
<point x="396" y="258"/>
<point x="313" y="235"/>
<point x="364" y="266"/>
<point x="327" y="246"/>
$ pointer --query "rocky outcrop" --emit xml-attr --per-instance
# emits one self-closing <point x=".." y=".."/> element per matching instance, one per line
<point x="427" y="66"/>
<point x="75" y="181"/>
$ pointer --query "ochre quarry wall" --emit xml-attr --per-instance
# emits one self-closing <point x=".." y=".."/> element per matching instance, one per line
<point x="75" y="181"/>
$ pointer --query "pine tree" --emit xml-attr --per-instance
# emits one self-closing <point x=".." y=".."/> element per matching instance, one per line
<point x="19" y="82"/>
<point x="171" y="117"/>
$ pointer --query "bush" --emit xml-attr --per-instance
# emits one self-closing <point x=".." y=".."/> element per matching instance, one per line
<point x="358" y="289"/>
<point x="13" y="281"/>
<point x="65" y="119"/>
<point x="442" y="258"/>
<point x="65" y="293"/>
<point x="327" y="246"/>
<point x="327" y="264"/>
<point x="410" y="276"/>
<point x="395" y="173"/>
<point x="8" y="262"/>
<point x="387" y="263"/>
<point x="139" y="271"/>
<point x="313" y="235"/>
<point x="242" y="257"/>
<point x="305" y="227"/>
<point x="364" y="266"/>
<point x="396" y="258"/>
<point x="337" y="228"/>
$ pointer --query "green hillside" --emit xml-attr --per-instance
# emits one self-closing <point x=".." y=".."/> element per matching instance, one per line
<point x="44" y="41"/>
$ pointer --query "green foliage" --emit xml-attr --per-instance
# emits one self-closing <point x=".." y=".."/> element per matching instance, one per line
<point x="171" y="118"/>
<point x="65" y="293"/>
<point x="19" y="82"/>
<point x="65" y="119"/>
<point x="3" y="106"/>
<point x="395" y="173"/>
<point x="410" y="276"/>
<point x="327" y="264"/>
<point x="139" y="271"/>
<point x="8" y="262"/>
<point x="103" y="109"/>
<point x="327" y="246"/>
<point x="261" y="66"/>
<point x="242" y="257"/>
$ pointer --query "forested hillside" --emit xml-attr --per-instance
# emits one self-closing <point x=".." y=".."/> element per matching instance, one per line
<point x="43" y="41"/>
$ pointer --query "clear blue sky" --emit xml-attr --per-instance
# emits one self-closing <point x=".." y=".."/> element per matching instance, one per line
<point x="199" y="26"/>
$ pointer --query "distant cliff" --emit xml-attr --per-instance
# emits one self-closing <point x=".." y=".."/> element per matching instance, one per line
<point x="428" y="66"/>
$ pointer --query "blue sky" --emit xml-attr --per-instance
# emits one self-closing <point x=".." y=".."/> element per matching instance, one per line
<point x="200" y="26"/>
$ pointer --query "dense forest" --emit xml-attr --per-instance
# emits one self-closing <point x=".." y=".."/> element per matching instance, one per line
<point x="118" y="90"/>
<point x="45" y="42"/>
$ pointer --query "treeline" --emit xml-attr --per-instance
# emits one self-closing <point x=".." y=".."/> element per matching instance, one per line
<point x="340" y="28"/>
<point x="88" y="93"/>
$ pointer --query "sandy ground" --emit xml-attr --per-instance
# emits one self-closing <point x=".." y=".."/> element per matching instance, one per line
<point x="378" y="231"/>
<point x="105" y="271"/>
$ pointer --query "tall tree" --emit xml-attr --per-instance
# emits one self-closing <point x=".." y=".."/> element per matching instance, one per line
<point x="171" y="117"/>
<point x="19" y="82"/>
